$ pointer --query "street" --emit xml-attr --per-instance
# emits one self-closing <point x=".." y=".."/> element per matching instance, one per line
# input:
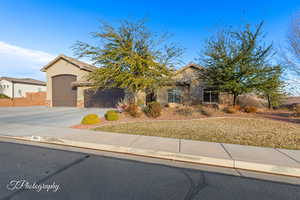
<point x="63" y="174"/>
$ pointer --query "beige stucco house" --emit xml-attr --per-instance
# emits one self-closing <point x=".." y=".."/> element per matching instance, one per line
<point x="67" y="85"/>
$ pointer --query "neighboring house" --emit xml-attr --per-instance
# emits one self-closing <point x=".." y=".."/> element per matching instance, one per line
<point x="67" y="85"/>
<point x="290" y="102"/>
<point x="18" y="87"/>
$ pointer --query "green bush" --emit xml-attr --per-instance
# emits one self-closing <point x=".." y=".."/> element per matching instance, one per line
<point x="250" y="109"/>
<point x="153" y="109"/>
<point x="90" y="119"/>
<point x="140" y="102"/>
<point x="133" y="110"/>
<point x="111" y="115"/>
<point x="3" y="96"/>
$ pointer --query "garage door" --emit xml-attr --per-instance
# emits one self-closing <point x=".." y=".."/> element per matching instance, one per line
<point x="107" y="98"/>
<point x="62" y="92"/>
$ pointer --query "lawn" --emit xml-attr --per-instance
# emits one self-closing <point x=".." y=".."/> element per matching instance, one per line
<point x="246" y="131"/>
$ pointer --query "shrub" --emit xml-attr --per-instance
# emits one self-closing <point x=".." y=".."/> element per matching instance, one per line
<point x="250" y="109"/>
<point x="248" y="100"/>
<point x="123" y="104"/>
<point x="153" y="109"/>
<point x="140" y="102"/>
<point x="207" y="111"/>
<point x="90" y="119"/>
<point x="231" y="109"/>
<point x="111" y="115"/>
<point x="214" y="106"/>
<point x="237" y="107"/>
<point x="133" y="110"/>
<point x="185" y="111"/>
<point x="3" y="96"/>
<point x="297" y="110"/>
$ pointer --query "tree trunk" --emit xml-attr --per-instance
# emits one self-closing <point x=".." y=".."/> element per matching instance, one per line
<point x="234" y="99"/>
<point x="269" y="101"/>
<point x="134" y="97"/>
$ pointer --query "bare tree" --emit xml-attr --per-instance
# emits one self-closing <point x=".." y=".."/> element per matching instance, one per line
<point x="291" y="53"/>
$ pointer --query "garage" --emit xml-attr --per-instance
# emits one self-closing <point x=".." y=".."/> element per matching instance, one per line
<point x="68" y="85"/>
<point x="63" y="94"/>
<point x="107" y="98"/>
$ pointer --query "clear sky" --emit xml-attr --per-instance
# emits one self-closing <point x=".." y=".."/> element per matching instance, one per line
<point x="32" y="32"/>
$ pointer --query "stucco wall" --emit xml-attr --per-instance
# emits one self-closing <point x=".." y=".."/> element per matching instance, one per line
<point x="21" y="89"/>
<point x="191" y="94"/>
<point x="16" y="90"/>
<point x="162" y="94"/>
<point x="6" y="88"/>
<point x="64" y="67"/>
<point x="187" y="74"/>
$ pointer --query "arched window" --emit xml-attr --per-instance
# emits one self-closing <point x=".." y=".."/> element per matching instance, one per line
<point x="174" y="95"/>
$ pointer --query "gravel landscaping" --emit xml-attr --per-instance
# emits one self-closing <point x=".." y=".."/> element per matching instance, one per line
<point x="245" y="131"/>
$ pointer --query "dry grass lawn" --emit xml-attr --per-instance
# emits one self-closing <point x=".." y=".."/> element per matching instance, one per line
<point x="246" y="131"/>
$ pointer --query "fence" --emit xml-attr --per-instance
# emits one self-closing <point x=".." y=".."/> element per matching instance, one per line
<point x="31" y="99"/>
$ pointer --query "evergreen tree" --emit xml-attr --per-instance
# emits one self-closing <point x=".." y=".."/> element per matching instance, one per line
<point x="130" y="56"/>
<point x="272" y="88"/>
<point x="236" y="61"/>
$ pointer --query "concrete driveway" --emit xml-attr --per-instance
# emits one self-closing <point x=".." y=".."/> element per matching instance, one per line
<point x="24" y="121"/>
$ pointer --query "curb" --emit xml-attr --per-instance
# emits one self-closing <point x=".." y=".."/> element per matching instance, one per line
<point x="228" y="163"/>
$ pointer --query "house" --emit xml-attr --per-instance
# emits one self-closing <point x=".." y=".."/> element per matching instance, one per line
<point x="290" y="102"/>
<point x="67" y="85"/>
<point x="18" y="87"/>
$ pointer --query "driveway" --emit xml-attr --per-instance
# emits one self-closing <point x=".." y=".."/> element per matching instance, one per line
<point x="21" y="121"/>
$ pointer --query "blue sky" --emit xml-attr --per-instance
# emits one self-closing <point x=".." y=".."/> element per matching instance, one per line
<point x="32" y="32"/>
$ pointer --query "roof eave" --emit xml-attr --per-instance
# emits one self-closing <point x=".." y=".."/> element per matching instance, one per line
<point x="62" y="56"/>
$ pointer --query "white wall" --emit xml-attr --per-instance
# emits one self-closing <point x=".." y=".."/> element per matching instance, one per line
<point x="6" y="88"/>
<point x="20" y="89"/>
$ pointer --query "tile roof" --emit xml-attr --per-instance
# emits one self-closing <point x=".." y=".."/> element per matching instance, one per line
<point x="78" y="63"/>
<point x="192" y="65"/>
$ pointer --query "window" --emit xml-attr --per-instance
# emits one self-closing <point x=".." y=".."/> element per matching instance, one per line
<point x="150" y="97"/>
<point x="210" y="96"/>
<point x="174" y="96"/>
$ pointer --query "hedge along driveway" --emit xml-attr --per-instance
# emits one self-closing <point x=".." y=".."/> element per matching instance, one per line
<point x="245" y="131"/>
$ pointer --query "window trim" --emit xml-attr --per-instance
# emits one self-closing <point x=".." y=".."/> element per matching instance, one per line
<point x="176" y="94"/>
<point x="210" y="91"/>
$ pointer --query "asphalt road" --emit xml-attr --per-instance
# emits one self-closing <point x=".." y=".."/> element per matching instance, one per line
<point x="24" y="121"/>
<point x="26" y="172"/>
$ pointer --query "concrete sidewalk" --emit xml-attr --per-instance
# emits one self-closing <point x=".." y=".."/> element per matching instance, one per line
<point x="269" y="160"/>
